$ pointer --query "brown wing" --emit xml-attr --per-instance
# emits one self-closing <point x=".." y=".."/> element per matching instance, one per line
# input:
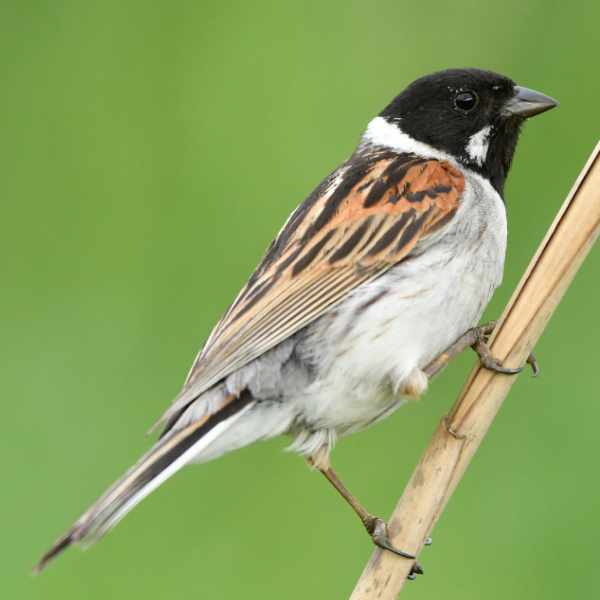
<point x="366" y="217"/>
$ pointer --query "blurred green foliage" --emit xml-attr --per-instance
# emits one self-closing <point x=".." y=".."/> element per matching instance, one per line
<point x="149" y="152"/>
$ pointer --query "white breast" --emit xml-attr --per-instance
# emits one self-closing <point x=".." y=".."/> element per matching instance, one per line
<point x="370" y="344"/>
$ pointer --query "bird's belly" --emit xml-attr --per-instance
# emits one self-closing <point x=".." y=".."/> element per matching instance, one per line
<point x="372" y="344"/>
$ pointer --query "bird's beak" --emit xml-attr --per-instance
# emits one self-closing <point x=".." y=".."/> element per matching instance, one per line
<point x="526" y="103"/>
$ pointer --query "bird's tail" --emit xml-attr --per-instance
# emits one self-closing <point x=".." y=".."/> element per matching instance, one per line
<point x="165" y="458"/>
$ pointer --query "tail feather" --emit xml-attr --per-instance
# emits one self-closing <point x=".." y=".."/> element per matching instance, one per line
<point x="163" y="460"/>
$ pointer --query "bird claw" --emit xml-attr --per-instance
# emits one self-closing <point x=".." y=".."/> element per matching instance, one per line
<point x="378" y="530"/>
<point x="489" y="361"/>
<point x="416" y="569"/>
<point x="533" y="363"/>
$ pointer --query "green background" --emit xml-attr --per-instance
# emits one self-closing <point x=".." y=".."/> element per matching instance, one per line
<point x="149" y="151"/>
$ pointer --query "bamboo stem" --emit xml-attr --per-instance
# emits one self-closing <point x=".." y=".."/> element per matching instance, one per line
<point x="458" y="436"/>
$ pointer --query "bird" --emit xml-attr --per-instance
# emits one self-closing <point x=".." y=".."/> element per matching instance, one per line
<point x="391" y="259"/>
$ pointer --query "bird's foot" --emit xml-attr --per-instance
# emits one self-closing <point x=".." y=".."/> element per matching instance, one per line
<point x="416" y="569"/>
<point x="378" y="530"/>
<point x="533" y="363"/>
<point x="489" y="361"/>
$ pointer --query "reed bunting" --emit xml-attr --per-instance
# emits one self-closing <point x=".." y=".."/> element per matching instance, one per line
<point x="390" y="259"/>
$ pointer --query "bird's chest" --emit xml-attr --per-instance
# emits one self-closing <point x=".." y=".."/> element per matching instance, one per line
<point x="374" y="340"/>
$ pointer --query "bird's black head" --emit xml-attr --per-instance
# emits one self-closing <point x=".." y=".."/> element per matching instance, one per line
<point x="473" y="115"/>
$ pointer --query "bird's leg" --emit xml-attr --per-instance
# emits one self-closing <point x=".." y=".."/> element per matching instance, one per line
<point x="476" y="338"/>
<point x="375" y="526"/>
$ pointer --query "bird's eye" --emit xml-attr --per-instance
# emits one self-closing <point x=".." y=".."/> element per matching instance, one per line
<point x="466" y="101"/>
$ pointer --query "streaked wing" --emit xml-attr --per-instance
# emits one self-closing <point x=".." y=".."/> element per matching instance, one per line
<point x="366" y="217"/>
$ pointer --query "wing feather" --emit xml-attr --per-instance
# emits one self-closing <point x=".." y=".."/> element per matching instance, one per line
<point x="366" y="217"/>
